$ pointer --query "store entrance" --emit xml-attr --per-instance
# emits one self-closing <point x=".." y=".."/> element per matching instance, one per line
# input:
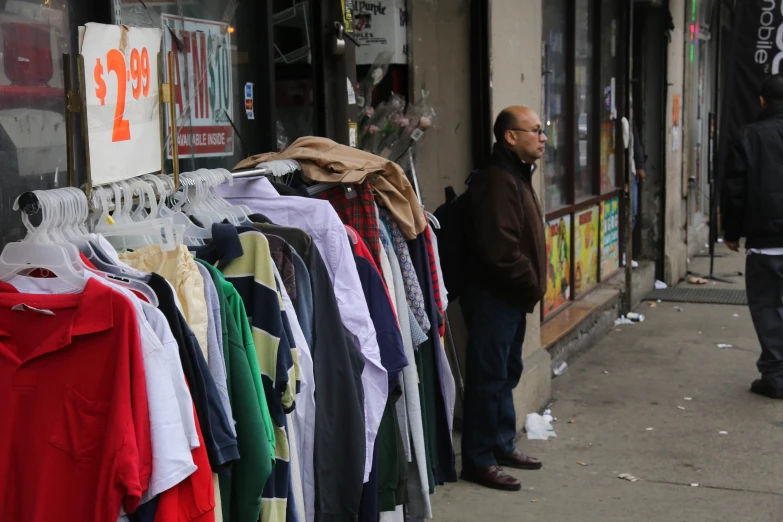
<point x="649" y="96"/>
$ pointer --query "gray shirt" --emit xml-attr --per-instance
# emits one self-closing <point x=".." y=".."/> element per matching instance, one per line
<point x="216" y="360"/>
<point x="304" y="297"/>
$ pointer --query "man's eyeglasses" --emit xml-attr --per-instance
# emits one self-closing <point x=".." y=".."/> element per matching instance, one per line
<point x="540" y="131"/>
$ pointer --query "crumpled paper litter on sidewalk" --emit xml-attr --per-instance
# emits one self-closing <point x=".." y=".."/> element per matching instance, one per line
<point x="538" y="428"/>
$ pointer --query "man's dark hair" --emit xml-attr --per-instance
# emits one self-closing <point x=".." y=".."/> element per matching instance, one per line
<point x="772" y="89"/>
<point x="505" y="121"/>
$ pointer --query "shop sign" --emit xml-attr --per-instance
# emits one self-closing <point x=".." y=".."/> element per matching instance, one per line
<point x="586" y="237"/>
<point x="381" y="26"/>
<point x="122" y="95"/>
<point x="202" y="86"/>
<point x="558" y="255"/>
<point x="610" y="237"/>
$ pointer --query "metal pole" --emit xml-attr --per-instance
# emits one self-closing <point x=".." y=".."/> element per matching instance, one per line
<point x="85" y="131"/>
<point x="450" y="342"/>
<point x="628" y="166"/>
<point x="173" y="117"/>
<point x="70" y="103"/>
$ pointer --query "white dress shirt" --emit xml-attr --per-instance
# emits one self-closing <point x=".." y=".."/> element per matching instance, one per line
<point x="321" y="222"/>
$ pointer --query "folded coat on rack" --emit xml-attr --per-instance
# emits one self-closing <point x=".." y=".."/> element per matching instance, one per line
<point x="324" y="161"/>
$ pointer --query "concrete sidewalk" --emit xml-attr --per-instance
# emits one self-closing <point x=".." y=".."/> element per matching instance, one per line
<point x="631" y="381"/>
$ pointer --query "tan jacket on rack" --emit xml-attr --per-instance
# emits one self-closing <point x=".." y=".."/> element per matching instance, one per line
<point x="325" y="161"/>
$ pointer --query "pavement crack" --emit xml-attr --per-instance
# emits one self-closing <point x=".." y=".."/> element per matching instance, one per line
<point x="720" y="488"/>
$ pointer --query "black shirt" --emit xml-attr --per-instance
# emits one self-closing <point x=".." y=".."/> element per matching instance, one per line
<point x="221" y="444"/>
<point x="337" y="365"/>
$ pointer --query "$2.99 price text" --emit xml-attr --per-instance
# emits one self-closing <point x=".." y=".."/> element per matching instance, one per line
<point x="137" y="75"/>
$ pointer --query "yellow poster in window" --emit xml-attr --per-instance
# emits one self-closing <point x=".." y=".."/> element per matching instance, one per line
<point x="558" y="255"/>
<point x="586" y="238"/>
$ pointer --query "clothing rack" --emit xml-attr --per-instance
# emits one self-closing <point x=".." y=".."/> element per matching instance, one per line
<point x="28" y="203"/>
<point x="263" y="170"/>
<point x="260" y="171"/>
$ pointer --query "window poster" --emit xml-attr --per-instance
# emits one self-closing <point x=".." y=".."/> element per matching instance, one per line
<point x="558" y="253"/>
<point x="202" y="86"/>
<point x="610" y="237"/>
<point x="586" y="237"/>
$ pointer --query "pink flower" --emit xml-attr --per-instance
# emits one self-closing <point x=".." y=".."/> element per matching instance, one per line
<point x="372" y="129"/>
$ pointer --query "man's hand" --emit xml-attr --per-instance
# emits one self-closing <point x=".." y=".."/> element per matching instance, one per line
<point x="641" y="174"/>
<point x="733" y="245"/>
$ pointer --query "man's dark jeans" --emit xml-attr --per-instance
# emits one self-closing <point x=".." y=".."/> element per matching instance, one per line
<point x="764" y="283"/>
<point x="493" y="370"/>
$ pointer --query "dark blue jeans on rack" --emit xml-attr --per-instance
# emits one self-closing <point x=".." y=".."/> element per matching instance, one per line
<point x="493" y="369"/>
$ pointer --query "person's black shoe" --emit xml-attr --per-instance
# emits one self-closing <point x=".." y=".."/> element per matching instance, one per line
<point x="761" y="387"/>
<point x="492" y="477"/>
<point x="518" y="460"/>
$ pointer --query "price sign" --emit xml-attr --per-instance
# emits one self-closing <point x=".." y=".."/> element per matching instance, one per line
<point x="123" y="101"/>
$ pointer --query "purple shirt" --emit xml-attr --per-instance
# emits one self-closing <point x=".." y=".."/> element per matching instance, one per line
<point x="321" y="222"/>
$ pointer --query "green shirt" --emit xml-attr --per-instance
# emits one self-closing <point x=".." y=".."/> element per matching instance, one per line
<point x="237" y="308"/>
<point x="241" y="491"/>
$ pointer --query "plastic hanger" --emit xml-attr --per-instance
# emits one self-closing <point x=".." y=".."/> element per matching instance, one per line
<point x="74" y="203"/>
<point x="161" y="231"/>
<point x="37" y="251"/>
<point x="352" y="235"/>
<point x="53" y="229"/>
<point x="64" y="210"/>
<point x="432" y="219"/>
<point x="205" y="208"/>
<point x="241" y="212"/>
<point x="193" y="234"/>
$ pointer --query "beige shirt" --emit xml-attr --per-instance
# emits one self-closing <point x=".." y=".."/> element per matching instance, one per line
<point x="180" y="269"/>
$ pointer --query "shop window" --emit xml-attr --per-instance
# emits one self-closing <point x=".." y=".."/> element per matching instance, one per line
<point x="292" y="24"/>
<point x="582" y="104"/>
<point x="583" y="99"/>
<point x="608" y="110"/>
<point x="33" y="37"/>
<point x="555" y="108"/>
<point x="208" y="90"/>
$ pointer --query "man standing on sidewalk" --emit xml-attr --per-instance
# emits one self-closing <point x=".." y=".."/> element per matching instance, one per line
<point x="753" y="208"/>
<point x="505" y="230"/>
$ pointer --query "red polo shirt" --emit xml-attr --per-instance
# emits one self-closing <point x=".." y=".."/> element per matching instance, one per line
<point x="74" y="435"/>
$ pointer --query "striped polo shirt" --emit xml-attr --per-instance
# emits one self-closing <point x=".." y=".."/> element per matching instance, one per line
<point x="251" y="271"/>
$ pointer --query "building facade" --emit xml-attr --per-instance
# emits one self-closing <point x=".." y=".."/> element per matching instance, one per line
<point x="585" y="65"/>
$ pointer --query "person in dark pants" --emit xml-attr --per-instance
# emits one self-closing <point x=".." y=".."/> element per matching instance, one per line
<point x="507" y="279"/>
<point x="638" y="175"/>
<point x="752" y="207"/>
